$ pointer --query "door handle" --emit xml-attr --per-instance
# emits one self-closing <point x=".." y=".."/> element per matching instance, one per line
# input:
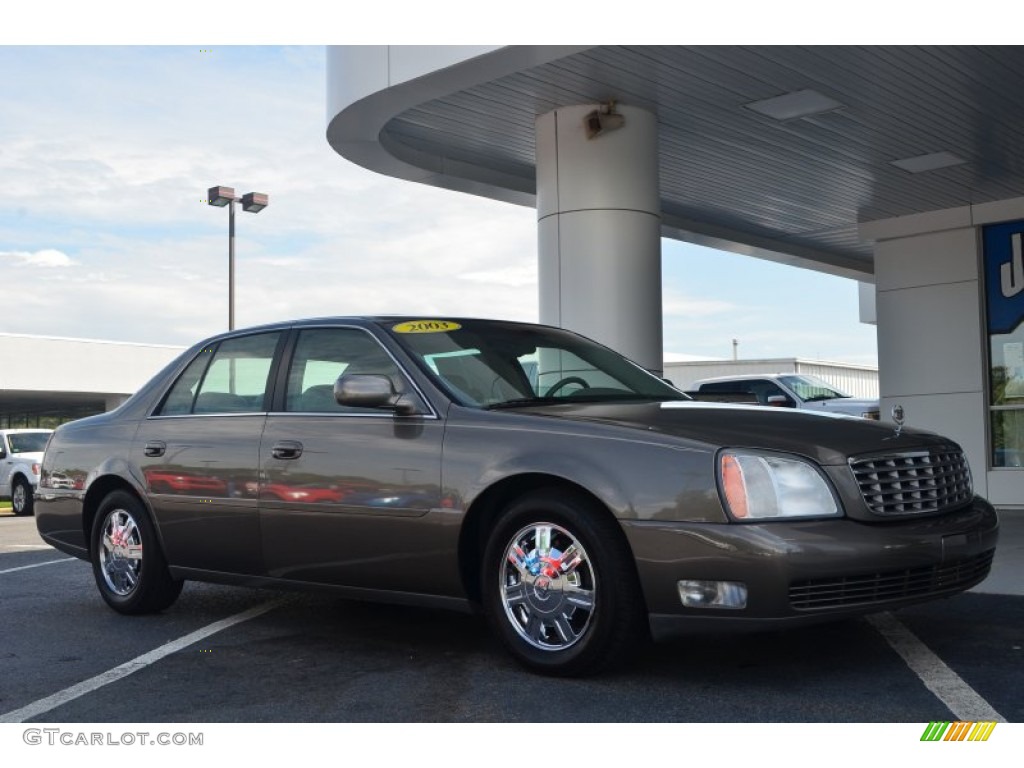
<point x="155" y="448"/>
<point x="286" y="449"/>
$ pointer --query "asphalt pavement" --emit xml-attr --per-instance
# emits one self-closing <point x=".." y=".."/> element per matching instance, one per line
<point x="287" y="657"/>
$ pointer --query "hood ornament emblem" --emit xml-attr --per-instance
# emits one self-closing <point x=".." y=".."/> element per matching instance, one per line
<point x="898" y="418"/>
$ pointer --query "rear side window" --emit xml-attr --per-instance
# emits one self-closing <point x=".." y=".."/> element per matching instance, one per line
<point x="28" y="442"/>
<point x="726" y="386"/>
<point x="230" y="378"/>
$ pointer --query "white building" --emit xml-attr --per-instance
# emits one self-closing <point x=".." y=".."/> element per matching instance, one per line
<point x="856" y="380"/>
<point x="45" y="380"/>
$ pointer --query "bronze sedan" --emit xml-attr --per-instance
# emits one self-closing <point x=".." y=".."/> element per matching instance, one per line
<point x="575" y="498"/>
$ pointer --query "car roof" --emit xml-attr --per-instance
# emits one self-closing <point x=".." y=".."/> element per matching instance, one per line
<point x="364" y="321"/>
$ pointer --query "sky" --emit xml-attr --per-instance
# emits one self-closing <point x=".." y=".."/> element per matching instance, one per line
<point x="106" y="153"/>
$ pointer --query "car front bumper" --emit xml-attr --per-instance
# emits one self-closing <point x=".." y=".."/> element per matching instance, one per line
<point x="803" y="572"/>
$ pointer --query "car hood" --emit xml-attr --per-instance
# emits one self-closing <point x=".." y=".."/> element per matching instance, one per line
<point x="28" y="458"/>
<point x="827" y="438"/>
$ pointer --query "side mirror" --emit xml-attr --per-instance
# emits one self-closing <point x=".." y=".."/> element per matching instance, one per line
<point x="371" y="390"/>
<point x="780" y="401"/>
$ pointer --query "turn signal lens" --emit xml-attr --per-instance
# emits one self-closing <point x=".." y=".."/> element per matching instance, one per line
<point x="732" y="484"/>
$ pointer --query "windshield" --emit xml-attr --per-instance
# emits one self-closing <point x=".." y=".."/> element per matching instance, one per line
<point x="493" y="364"/>
<point x="811" y="388"/>
<point x="28" y="442"/>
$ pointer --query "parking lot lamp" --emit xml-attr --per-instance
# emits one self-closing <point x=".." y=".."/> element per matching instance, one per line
<point x="253" y="202"/>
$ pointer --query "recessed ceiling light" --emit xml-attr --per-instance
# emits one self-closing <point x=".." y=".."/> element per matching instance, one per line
<point x="931" y="162"/>
<point x="791" y="106"/>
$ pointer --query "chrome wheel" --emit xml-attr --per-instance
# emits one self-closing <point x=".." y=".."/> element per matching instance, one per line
<point x="122" y="532"/>
<point x="18" y="498"/>
<point x="120" y="552"/>
<point x="548" y="587"/>
<point x="21" y="497"/>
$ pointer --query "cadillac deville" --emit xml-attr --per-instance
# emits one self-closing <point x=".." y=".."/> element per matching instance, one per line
<point x="574" y="499"/>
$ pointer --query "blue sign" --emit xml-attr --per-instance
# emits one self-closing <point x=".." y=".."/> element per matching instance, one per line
<point x="1003" y="249"/>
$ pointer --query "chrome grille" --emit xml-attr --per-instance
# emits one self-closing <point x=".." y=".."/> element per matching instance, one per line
<point x="866" y="589"/>
<point x="914" y="483"/>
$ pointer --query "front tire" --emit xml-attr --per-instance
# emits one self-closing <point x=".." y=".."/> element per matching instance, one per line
<point x="559" y="585"/>
<point x="22" y="500"/>
<point x="127" y="561"/>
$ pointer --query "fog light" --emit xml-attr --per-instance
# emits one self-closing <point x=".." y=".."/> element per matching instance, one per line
<point x="713" y="594"/>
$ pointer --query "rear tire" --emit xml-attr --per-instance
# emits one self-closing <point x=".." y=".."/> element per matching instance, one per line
<point x="127" y="562"/>
<point x="22" y="501"/>
<point x="559" y="585"/>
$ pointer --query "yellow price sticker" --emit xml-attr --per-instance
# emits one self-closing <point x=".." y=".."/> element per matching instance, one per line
<point x="426" y="326"/>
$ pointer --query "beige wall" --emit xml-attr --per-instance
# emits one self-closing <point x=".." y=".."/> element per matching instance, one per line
<point x="931" y="331"/>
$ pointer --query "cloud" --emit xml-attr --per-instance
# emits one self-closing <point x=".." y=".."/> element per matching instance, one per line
<point x="108" y="158"/>
<point x="675" y="304"/>
<point x="47" y="258"/>
<point x="104" y="232"/>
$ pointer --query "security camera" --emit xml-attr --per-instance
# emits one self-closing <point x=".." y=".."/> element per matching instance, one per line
<point x="602" y="120"/>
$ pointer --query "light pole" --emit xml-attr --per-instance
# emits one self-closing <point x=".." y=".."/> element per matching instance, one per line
<point x="253" y="202"/>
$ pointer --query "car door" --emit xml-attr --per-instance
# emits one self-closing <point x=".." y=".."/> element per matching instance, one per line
<point x="351" y="496"/>
<point x="199" y="456"/>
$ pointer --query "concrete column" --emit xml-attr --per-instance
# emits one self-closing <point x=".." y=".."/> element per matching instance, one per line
<point x="931" y="337"/>
<point x="599" y="230"/>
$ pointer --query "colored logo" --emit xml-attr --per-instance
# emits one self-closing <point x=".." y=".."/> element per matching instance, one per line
<point x="947" y="731"/>
<point x="426" y="326"/>
<point x="1003" y="246"/>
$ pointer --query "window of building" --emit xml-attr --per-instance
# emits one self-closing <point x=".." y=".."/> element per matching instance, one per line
<point x="1004" y="293"/>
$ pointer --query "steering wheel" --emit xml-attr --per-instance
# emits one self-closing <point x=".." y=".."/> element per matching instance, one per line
<point x="563" y="382"/>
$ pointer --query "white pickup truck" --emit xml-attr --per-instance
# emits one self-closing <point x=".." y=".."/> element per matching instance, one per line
<point x="21" y="453"/>
<point x="787" y="390"/>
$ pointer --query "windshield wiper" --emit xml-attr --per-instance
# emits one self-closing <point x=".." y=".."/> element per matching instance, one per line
<point x="523" y="401"/>
<point x="632" y="397"/>
<point x="581" y="397"/>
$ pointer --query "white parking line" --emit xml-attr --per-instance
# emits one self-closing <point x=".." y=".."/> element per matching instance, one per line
<point x="951" y="689"/>
<point x="38" y="565"/>
<point x="121" y="671"/>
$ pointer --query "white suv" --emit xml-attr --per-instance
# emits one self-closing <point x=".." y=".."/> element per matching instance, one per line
<point x="21" y="452"/>
<point x="789" y="390"/>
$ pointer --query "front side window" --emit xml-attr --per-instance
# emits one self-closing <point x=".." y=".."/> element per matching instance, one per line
<point x="492" y="364"/>
<point x="763" y="389"/>
<point x="321" y="356"/>
<point x="232" y="377"/>
<point x="811" y="388"/>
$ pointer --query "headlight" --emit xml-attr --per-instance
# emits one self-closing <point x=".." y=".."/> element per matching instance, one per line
<point x="765" y="486"/>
